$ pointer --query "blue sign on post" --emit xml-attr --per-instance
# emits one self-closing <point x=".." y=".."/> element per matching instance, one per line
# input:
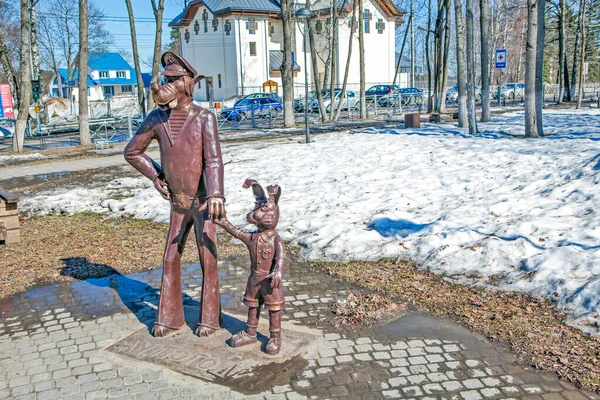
<point x="1" y="108"/>
<point x="501" y="58"/>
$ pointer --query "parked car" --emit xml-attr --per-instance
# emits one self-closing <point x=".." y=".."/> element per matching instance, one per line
<point x="312" y="96"/>
<point x="452" y="94"/>
<point x="511" y="91"/>
<point x="350" y="101"/>
<point x="403" y="96"/>
<point x="263" y="107"/>
<point x="258" y="95"/>
<point x="377" y="91"/>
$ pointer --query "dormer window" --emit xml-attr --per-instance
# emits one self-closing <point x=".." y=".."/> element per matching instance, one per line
<point x="121" y="74"/>
<point x="103" y="74"/>
<point x="215" y="24"/>
<point x="252" y="26"/>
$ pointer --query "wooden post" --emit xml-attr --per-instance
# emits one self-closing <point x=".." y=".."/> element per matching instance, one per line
<point x="9" y="218"/>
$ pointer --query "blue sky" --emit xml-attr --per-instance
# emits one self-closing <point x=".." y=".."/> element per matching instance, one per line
<point x="118" y="26"/>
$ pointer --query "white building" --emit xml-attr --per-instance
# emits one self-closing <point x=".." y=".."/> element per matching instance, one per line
<point x="238" y="44"/>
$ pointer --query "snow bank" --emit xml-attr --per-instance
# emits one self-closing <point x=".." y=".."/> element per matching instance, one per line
<point x="17" y="158"/>
<point x="495" y="209"/>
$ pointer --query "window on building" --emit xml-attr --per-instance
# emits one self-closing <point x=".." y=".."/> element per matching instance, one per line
<point x="380" y="26"/>
<point x="187" y="36"/>
<point x="103" y="74"/>
<point x="121" y="74"/>
<point x="200" y="84"/>
<point x="215" y="24"/>
<point x="227" y="27"/>
<point x="367" y="17"/>
<point x="252" y="48"/>
<point x="205" y="19"/>
<point x="252" y="26"/>
<point x="109" y="91"/>
<point x="126" y="88"/>
<point x="220" y="83"/>
<point x="271" y="29"/>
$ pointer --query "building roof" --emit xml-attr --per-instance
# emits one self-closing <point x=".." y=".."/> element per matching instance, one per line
<point x="64" y="73"/>
<point x="104" y="62"/>
<point x="108" y="61"/>
<point x="276" y="60"/>
<point x="146" y="77"/>
<point x="217" y="7"/>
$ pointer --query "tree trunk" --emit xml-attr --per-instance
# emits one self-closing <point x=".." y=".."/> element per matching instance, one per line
<point x="25" y="80"/>
<point x="485" y="61"/>
<point x="471" y="68"/>
<point x="539" y="66"/>
<point x="427" y="50"/>
<point x="136" y="61"/>
<point x="460" y="64"/>
<point x="35" y="49"/>
<point x="84" y="117"/>
<point x="287" y="69"/>
<point x="399" y="63"/>
<point x="361" y="50"/>
<point x="333" y="46"/>
<point x="561" y="50"/>
<point x="566" y="78"/>
<point x="582" y="55"/>
<point x="439" y="56"/>
<point x="448" y="18"/>
<point x="347" y="71"/>
<point x="315" y="68"/>
<point x="158" y="11"/>
<point x="531" y="128"/>
<point x="575" y="55"/>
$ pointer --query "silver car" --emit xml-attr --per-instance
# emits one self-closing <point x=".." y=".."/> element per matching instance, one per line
<point x="452" y="94"/>
<point x="350" y="101"/>
<point x="511" y="91"/>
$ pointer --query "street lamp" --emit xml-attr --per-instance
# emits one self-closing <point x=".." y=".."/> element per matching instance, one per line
<point x="304" y="14"/>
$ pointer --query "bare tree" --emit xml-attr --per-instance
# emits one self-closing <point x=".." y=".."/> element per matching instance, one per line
<point x="460" y="64"/>
<point x="333" y="58"/>
<point x="84" y="118"/>
<point x="582" y="55"/>
<point x="136" y="61"/>
<point x="539" y="65"/>
<point x="158" y="10"/>
<point x="347" y="71"/>
<point x="35" y="49"/>
<point x="471" y="68"/>
<point x="24" y="78"/>
<point x="531" y="120"/>
<point x="287" y="67"/>
<point x="484" y="23"/>
<point x="427" y="51"/>
<point x="58" y="29"/>
<point x="361" y="51"/>
<point x="315" y="67"/>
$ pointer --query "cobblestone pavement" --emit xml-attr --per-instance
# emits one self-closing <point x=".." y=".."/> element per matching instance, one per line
<point x="53" y="344"/>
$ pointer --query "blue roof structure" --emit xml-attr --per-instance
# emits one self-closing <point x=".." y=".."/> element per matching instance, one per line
<point x="104" y="62"/>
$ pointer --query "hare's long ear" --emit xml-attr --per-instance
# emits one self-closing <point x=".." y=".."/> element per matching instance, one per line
<point x="257" y="190"/>
<point x="274" y="192"/>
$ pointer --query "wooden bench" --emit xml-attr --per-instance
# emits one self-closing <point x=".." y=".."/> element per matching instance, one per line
<point x="9" y="218"/>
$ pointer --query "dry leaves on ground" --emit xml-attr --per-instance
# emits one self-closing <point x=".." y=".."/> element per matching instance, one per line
<point x="363" y="308"/>
<point x="532" y="328"/>
<point x="56" y="248"/>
